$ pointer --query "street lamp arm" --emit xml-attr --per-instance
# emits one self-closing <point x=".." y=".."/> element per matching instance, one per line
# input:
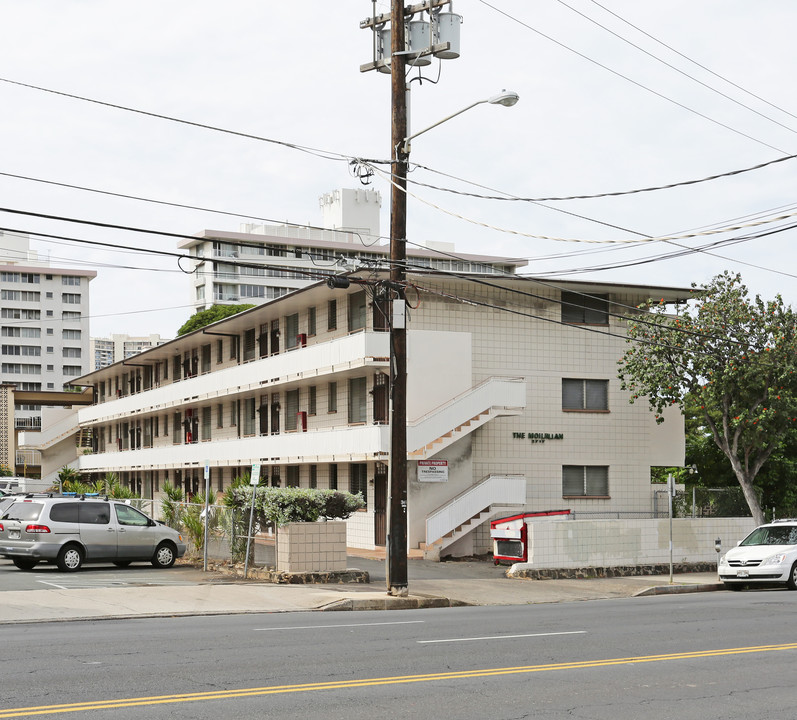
<point x="406" y="145"/>
<point x="506" y="98"/>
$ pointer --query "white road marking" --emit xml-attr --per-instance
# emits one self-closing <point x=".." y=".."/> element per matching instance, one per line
<point x="324" y="627"/>
<point x="60" y="587"/>
<point x="502" y="637"/>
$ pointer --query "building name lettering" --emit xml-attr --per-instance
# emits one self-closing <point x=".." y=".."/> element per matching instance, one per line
<point x="537" y="437"/>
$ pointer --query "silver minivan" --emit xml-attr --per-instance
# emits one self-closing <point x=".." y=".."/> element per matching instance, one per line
<point x="70" y="531"/>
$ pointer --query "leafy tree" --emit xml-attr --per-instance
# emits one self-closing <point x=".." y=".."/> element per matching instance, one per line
<point x="5" y="471"/>
<point x="735" y="357"/>
<point x="201" y="318"/>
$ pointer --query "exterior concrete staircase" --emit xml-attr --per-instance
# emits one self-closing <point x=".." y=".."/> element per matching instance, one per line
<point x="435" y="431"/>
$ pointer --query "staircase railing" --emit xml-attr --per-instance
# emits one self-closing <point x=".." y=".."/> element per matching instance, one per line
<point x="502" y="490"/>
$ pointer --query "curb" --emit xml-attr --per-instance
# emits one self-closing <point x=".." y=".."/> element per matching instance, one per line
<point x="677" y="589"/>
<point x="392" y="603"/>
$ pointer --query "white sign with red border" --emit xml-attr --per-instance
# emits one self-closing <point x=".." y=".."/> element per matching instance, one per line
<point x="432" y="470"/>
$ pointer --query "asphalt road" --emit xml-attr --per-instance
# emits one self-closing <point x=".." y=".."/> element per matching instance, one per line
<point x="714" y="655"/>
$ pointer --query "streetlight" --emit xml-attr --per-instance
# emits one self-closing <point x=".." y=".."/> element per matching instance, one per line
<point x="397" y="502"/>
<point x="507" y="98"/>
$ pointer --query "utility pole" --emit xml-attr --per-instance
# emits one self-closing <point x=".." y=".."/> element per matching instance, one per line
<point x="397" y="583"/>
<point x="440" y="39"/>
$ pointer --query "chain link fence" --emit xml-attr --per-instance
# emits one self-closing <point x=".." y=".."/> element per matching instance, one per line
<point x="227" y="531"/>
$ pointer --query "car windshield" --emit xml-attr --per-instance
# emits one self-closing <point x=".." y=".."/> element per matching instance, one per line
<point x="783" y="535"/>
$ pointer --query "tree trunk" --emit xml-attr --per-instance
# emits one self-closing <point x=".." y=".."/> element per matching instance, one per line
<point x="750" y="496"/>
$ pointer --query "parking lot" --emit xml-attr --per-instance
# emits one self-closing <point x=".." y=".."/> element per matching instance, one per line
<point x="46" y="576"/>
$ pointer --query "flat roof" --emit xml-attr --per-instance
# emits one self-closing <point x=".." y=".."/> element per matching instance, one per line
<point x="296" y="300"/>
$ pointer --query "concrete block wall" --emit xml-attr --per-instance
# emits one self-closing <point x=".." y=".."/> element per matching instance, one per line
<point x="607" y="543"/>
<point x="311" y="547"/>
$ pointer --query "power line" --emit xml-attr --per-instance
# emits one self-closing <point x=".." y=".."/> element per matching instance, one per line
<point x="514" y="198"/>
<point x="695" y="62"/>
<point x="324" y="154"/>
<point x="628" y="79"/>
<point x="182" y="205"/>
<point x="673" y="67"/>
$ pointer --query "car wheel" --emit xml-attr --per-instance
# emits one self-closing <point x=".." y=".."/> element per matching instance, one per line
<point x="70" y="558"/>
<point x="122" y="563"/>
<point x="165" y="555"/>
<point x="791" y="583"/>
<point x="25" y="564"/>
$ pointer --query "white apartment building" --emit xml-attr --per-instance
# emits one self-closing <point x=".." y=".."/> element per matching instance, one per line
<point x="513" y="403"/>
<point x="263" y="262"/>
<point x="107" y="351"/>
<point x="44" y="323"/>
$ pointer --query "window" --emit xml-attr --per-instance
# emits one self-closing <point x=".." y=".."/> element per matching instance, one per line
<point x="578" y="309"/>
<point x="249" y="344"/>
<point x="219" y="351"/>
<point x="333" y="477"/>
<point x="24" y="295"/>
<point x="311" y="321"/>
<point x="292" y="331"/>
<point x="585" y="481"/>
<point x="234" y="413"/>
<point x="69" y="315"/>
<point x="356" y="311"/>
<point x="126" y="515"/>
<point x="220" y="415"/>
<point x="249" y="416"/>
<point x="332" y="315"/>
<point x="70" y="352"/>
<point x="585" y="395"/>
<point x="332" y="397"/>
<point x="291" y="409"/>
<point x="72" y="370"/>
<point x="253" y="291"/>
<point x="292" y="476"/>
<point x="70" y="298"/>
<point x="23" y="350"/>
<point x="357" y="400"/>
<point x="275" y="476"/>
<point x="206" y="420"/>
<point x="314" y="476"/>
<point x="311" y="400"/>
<point x="20" y="314"/>
<point x="70" y="280"/>
<point x="358" y="479"/>
<point x="205" y="358"/>
<point x="70" y="334"/>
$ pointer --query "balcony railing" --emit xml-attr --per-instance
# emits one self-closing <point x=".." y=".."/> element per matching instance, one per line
<point x="28" y="423"/>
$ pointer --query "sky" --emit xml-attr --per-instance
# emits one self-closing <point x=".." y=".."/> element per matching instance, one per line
<point x="615" y="96"/>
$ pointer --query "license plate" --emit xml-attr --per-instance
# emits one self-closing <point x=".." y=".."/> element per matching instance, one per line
<point x="13" y="534"/>
<point x="742" y="573"/>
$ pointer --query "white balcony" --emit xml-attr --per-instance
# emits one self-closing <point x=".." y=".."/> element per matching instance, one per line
<point x="353" y="351"/>
<point x="359" y="443"/>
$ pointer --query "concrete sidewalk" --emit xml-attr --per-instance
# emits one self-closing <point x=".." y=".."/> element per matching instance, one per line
<point x="222" y="596"/>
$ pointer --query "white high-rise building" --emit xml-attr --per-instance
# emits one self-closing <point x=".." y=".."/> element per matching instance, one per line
<point x="44" y="323"/>
<point x="107" y="351"/>
<point x="263" y="262"/>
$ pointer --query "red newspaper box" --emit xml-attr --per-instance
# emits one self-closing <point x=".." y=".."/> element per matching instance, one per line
<point x="510" y="534"/>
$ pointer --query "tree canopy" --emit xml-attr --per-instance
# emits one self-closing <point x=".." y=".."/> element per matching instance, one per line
<point x="201" y="318"/>
<point x="735" y="357"/>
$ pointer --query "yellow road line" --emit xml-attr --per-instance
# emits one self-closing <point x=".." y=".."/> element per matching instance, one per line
<point x="367" y="682"/>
